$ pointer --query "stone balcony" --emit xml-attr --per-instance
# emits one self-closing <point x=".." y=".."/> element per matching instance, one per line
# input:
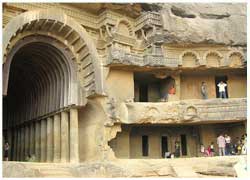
<point x="120" y="57"/>
<point x="184" y="111"/>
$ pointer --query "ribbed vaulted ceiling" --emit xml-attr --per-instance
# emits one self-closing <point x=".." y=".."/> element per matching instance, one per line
<point x="39" y="83"/>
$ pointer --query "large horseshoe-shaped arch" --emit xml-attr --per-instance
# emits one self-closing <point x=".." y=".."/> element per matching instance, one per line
<point x="55" y="23"/>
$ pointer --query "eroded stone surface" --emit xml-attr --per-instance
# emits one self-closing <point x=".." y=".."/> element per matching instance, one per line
<point x="184" y="111"/>
<point x="196" y="23"/>
<point x="183" y="167"/>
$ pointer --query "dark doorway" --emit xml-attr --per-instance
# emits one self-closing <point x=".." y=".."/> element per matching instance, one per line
<point x="183" y="144"/>
<point x="144" y="145"/>
<point x="218" y="79"/>
<point x="164" y="145"/>
<point x="143" y="93"/>
<point x="151" y="88"/>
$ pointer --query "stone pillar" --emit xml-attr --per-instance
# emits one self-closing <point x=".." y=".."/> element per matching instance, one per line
<point x="38" y="141"/>
<point x="64" y="137"/>
<point x="43" y="140"/>
<point x="22" y="143"/>
<point x="15" y="145"/>
<point x="57" y="138"/>
<point x="26" y="142"/>
<point x="49" y="139"/>
<point x="9" y="140"/>
<point x="18" y="143"/>
<point x="74" y="139"/>
<point x="32" y="139"/>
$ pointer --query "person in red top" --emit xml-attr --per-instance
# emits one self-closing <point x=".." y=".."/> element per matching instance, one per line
<point x="171" y="90"/>
<point x="208" y="151"/>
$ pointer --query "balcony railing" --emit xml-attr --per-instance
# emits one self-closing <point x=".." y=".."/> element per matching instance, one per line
<point x="117" y="56"/>
<point x="185" y="111"/>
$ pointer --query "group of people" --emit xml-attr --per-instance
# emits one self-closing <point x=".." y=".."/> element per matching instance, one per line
<point x="226" y="147"/>
<point x="204" y="92"/>
<point x="222" y="90"/>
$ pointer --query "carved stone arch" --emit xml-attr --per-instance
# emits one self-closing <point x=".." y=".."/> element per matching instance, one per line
<point x="55" y="24"/>
<point x="191" y="111"/>
<point x="127" y="24"/>
<point x="196" y="58"/>
<point x="235" y="62"/>
<point x="216" y="62"/>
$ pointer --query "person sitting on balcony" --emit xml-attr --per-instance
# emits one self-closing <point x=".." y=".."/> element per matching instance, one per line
<point x="204" y="90"/>
<point x="222" y="89"/>
<point x="171" y="90"/>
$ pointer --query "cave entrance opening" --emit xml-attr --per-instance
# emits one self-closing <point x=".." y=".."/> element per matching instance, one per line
<point x="149" y="88"/>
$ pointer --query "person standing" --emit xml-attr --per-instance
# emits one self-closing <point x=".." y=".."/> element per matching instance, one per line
<point x="6" y="151"/>
<point x="228" y="144"/>
<point x="203" y="90"/>
<point x="177" y="149"/>
<point x="222" y="89"/>
<point x="212" y="148"/>
<point x="221" y="144"/>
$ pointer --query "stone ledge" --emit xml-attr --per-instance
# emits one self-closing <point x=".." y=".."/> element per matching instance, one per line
<point x="184" y="111"/>
<point x="190" y="167"/>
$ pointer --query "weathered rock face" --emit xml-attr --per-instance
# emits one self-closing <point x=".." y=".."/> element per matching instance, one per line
<point x="182" y="167"/>
<point x="218" y="23"/>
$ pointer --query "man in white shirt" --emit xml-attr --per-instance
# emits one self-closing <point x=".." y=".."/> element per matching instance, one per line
<point x="222" y="89"/>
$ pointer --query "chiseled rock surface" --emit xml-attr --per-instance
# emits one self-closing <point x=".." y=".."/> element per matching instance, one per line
<point x="182" y="167"/>
<point x="215" y="23"/>
<point x="188" y="111"/>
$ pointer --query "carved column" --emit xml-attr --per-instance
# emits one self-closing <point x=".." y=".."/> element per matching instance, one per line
<point x="64" y="137"/>
<point x="32" y="139"/>
<point x="74" y="139"/>
<point x="26" y="142"/>
<point x="43" y="140"/>
<point x="38" y="140"/>
<point x="22" y="143"/>
<point x="57" y="138"/>
<point x="14" y="145"/>
<point x="49" y="139"/>
<point x="18" y="143"/>
<point x="9" y="140"/>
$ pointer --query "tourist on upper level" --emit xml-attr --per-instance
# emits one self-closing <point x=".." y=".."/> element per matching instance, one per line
<point x="222" y="89"/>
<point x="6" y="151"/>
<point x="221" y="144"/>
<point x="228" y="145"/>
<point x="203" y="90"/>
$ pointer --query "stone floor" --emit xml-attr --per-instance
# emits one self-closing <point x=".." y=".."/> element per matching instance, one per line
<point x="182" y="167"/>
